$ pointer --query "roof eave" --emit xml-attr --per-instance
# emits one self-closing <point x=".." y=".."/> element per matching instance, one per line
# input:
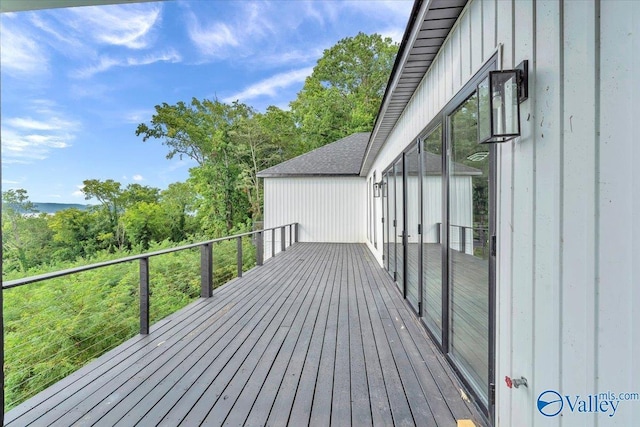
<point x="386" y="120"/>
<point x="314" y="175"/>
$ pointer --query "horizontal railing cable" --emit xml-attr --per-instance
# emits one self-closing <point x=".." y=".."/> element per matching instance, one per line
<point x="74" y="314"/>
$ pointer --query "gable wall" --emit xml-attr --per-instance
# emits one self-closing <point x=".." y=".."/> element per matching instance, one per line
<point x="329" y="209"/>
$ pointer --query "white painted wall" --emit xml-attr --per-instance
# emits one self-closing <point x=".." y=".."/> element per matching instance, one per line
<point x="329" y="209"/>
<point x="568" y="284"/>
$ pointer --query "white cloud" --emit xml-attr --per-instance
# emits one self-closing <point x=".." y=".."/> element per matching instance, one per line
<point x="137" y="177"/>
<point x="27" y="139"/>
<point x="78" y="192"/>
<point x="54" y="123"/>
<point x="105" y="63"/>
<point x="121" y="25"/>
<point x="21" y="54"/>
<point x="235" y="34"/>
<point x="138" y="116"/>
<point x="270" y="86"/>
<point x="211" y="40"/>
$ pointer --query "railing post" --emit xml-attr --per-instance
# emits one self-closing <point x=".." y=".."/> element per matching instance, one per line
<point x="463" y="238"/>
<point x="295" y="226"/>
<point x="283" y="238"/>
<point x="239" y="245"/>
<point x="438" y="231"/>
<point x="206" y="270"/>
<point x="290" y="235"/>
<point x="273" y="242"/>
<point x="259" y="248"/>
<point x="144" y="296"/>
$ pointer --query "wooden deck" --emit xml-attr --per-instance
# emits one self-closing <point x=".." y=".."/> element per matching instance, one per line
<point x="318" y="335"/>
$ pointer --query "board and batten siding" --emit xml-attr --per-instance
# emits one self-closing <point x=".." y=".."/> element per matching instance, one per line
<point x="328" y="209"/>
<point x="568" y="266"/>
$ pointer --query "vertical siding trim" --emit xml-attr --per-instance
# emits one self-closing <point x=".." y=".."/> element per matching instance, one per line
<point x="504" y="261"/>
<point x="561" y="246"/>
<point x="597" y="198"/>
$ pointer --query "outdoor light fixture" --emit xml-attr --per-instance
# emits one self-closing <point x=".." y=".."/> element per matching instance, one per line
<point x="499" y="98"/>
<point x="376" y="189"/>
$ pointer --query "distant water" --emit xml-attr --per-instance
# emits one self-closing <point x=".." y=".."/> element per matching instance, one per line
<point x="51" y="208"/>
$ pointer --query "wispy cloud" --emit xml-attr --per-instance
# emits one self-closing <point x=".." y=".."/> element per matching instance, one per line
<point x="27" y="123"/>
<point x="270" y="86"/>
<point x="138" y="116"/>
<point x="20" y="52"/>
<point x="105" y="63"/>
<point x="78" y="192"/>
<point x="233" y="34"/>
<point x="121" y="25"/>
<point x="27" y="139"/>
<point x="137" y="177"/>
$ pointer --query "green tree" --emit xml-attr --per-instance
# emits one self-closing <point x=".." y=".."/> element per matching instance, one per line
<point x="135" y="193"/>
<point x="109" y="194"/>
<point x="201" y="132"/>
<point x="178" y="202"/>
<point x="25" y="234"/>
<point x="260" y="141"/>
<point x="73" y="235"/>
<point x="145" y="222"/>
<point x="344" y="92"/>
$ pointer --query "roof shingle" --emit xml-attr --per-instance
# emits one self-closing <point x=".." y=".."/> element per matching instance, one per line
<point x="340" y="158"/>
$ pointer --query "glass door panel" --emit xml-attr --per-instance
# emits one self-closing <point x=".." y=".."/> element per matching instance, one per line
<point x="385" y="224"/>
<point x="412" y="204"/>
<point x="399" y="229"/>
<point x="432" y="231"/>
<point x="392" y="223"/>
<point x="468" y="262"/>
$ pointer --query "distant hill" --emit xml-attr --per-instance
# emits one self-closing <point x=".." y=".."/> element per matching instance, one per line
<point x="51" y="208"/>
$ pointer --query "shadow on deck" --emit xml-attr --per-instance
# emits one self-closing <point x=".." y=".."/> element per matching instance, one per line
<point x="318" y="335"/>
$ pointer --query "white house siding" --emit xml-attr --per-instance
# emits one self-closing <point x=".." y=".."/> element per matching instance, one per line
<point x="328" y="209"/>
<point x="568" y="267"/>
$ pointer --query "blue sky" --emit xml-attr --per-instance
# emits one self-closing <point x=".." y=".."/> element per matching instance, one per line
<point x="76" y="82"/>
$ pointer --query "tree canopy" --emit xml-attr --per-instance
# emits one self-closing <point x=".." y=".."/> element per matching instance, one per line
<point x="343" y="94"/>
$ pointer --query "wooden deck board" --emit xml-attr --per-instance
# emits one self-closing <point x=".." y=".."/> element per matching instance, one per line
<point x="318" y="335"/>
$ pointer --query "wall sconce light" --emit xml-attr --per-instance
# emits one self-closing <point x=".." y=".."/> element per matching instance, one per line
<point x="376" y="189"/>
<point x="499" y="98"/>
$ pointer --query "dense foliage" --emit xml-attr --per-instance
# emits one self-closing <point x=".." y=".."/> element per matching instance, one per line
<point x="54" y="327"/>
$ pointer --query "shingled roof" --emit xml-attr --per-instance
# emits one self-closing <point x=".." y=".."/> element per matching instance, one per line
<point x="340" y="158"/>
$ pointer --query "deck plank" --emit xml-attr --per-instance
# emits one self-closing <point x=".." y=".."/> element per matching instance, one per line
<point x="318" y="335"/>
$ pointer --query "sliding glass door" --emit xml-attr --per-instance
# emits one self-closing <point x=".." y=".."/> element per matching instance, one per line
<point x="432" y="185"/>
<point x="385" y="220"/>
<point x="412" y="225"/>
<point x="400" y="232"/>
<point x="468" y="226"/>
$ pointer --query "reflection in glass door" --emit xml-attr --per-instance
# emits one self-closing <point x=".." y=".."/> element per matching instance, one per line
<point x="385" y="221"/>
<point x="400" y="232"/>
<point x="412" y="206"/>
<point x="391" y="200"/>
<point x="468" y="255"/>
<point x="432" y="231"/>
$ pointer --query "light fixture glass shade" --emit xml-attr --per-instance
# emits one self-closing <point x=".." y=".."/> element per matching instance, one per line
<point x="498" y="107"/>
<point x="376" y="189"/>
